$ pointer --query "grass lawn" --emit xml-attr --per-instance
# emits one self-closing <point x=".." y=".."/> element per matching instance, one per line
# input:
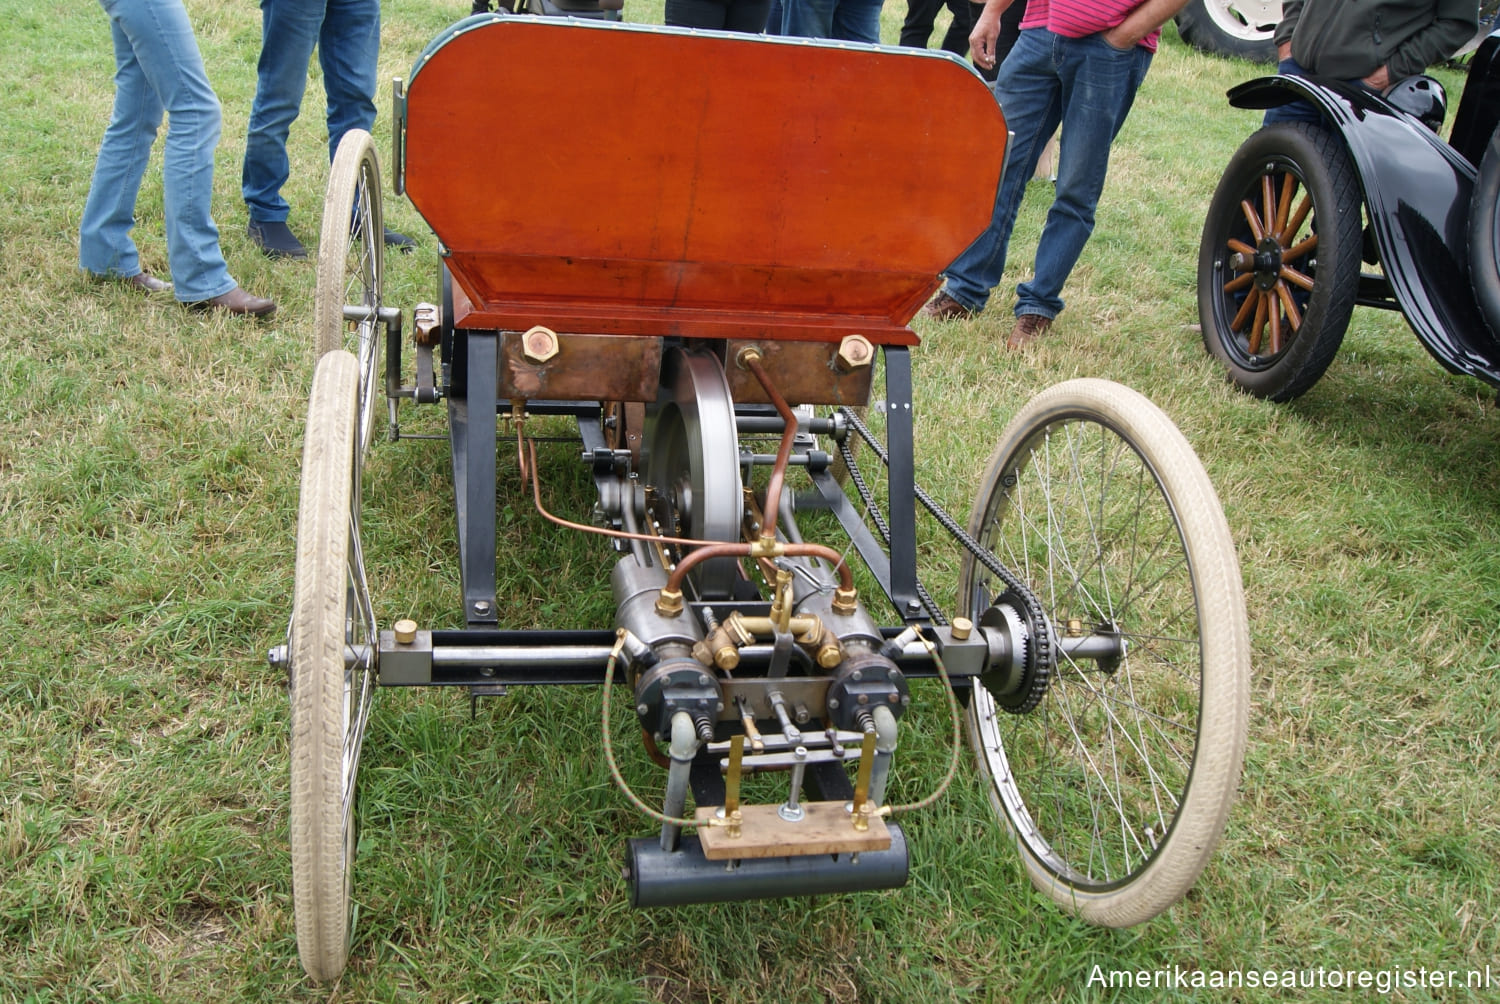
<point x="148" y="492"/>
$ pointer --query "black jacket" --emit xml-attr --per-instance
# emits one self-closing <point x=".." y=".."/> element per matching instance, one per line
<point x="1351" y="39"/>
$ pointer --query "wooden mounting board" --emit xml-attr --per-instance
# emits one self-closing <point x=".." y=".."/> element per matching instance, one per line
<point x="827" y="828"/>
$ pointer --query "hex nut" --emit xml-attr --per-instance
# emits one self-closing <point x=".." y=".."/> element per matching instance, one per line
<point x="855" y="352"/>
<point x="539" y="344"/>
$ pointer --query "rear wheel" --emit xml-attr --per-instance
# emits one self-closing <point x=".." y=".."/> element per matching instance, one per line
<point x="351" y="268"/>
<point x="332" y="653"/>
<point x="1115" y="776"/>
<point x="1278" y="267"/>
<point x="1484" y="235"/>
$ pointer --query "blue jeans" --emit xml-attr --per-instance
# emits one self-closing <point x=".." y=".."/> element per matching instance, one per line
<point x="347" y="36"/>
<point x="1087" y="86"/>
<point x="850" y="20"/>
<point x="157" y="68"/>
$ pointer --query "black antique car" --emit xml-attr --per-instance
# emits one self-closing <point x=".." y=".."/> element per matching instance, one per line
<point x="1302" y="208"/>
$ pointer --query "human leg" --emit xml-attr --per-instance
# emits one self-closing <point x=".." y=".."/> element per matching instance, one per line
<point x="349" y="49"/>
<point x="748" y="16"/>
<point x="807" y="18"/>
<point x="161" y="37"/>
<point x="1099" y="85"/>
<point x="916" y="30"/>
<point x="709" y="14"/>
<point x="104" y="244"/>
<point x="1030" y="92"/>
<point x="956" y="38"/>
<point x="289" y="30"/>
<point x="857" y="20"/>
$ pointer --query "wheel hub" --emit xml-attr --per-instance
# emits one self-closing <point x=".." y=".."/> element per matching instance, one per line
<point x="1267" y="262"/>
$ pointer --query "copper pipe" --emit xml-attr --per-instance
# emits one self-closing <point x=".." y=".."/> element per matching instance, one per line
<point x="751" y="360"/>
<point x="674" y="581"/>
<point x="528" y="471"/>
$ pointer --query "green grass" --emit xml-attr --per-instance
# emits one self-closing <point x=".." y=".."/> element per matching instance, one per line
<point x="148" y="488"/>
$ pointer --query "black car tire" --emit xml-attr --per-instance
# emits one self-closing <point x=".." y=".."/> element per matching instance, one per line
<point x="1305" y="277"/>
<point x="1484" y="235"/>
<point x="1225" y="28"/>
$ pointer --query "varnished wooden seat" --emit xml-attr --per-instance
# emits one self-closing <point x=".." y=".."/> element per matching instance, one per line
<point x="629" y="180"/>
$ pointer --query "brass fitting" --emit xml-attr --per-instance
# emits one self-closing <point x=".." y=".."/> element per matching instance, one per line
<point x="962" y="628"/>
<point x="766" y="547"/>
<point x="405" y="631"/>
<point x="669" y="602"/>
<point x="830" y="652"/>
<point x="855" y="352"/>
<point x="539" y="344"/>
<point x="1075" y="628"/>
<point x="781" y="601"/>
<point x="722" y="646"/>
<point x="845" y="601"/>
<point x="747" y="355"/>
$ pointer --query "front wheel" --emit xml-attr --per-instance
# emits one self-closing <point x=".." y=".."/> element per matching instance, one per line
<point x="1116" y="782"/>
<point x="1484" y="235"/>
<point x="1278" y="267"/>
<point x="332" y="651"/>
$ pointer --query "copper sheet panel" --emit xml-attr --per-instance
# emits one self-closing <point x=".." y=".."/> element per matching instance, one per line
<point x="586" y="368"/>
<point x="804" y="373"/>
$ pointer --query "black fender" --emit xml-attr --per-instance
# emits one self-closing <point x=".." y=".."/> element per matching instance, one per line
<point x="1417" y="190"/>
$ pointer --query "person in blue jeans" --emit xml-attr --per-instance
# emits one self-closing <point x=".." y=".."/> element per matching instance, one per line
<point x="346" y="34"/>
<point x="1078" y="64"/>
<point x="158" y="69"/>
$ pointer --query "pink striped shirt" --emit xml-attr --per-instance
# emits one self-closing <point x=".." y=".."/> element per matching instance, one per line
<point x="1081" y="18"/>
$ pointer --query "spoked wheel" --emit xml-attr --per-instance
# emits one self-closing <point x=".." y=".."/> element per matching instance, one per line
<point x="332" y="651"/>
<point x="1278" y="268"/>
<point x="351" y="268"/>
<point x="692" y="462"/>
<point x="1117" y="782"/>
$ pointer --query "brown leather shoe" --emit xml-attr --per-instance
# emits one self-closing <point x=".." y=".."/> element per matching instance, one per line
<point x="143" y="281"/>
<point x="945" y="308"/>
<point x="237" y="301"/>
<point x="148" y="283"/>
<point x="1029" y="327"/>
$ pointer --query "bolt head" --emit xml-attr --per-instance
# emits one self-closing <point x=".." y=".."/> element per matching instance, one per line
<point x="539" y="344"/>
<point x="855" y="352"/>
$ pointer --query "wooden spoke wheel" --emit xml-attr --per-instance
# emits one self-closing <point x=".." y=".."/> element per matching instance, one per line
<point x="1278" y="267"/>
<point x="1117" y="783"/>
